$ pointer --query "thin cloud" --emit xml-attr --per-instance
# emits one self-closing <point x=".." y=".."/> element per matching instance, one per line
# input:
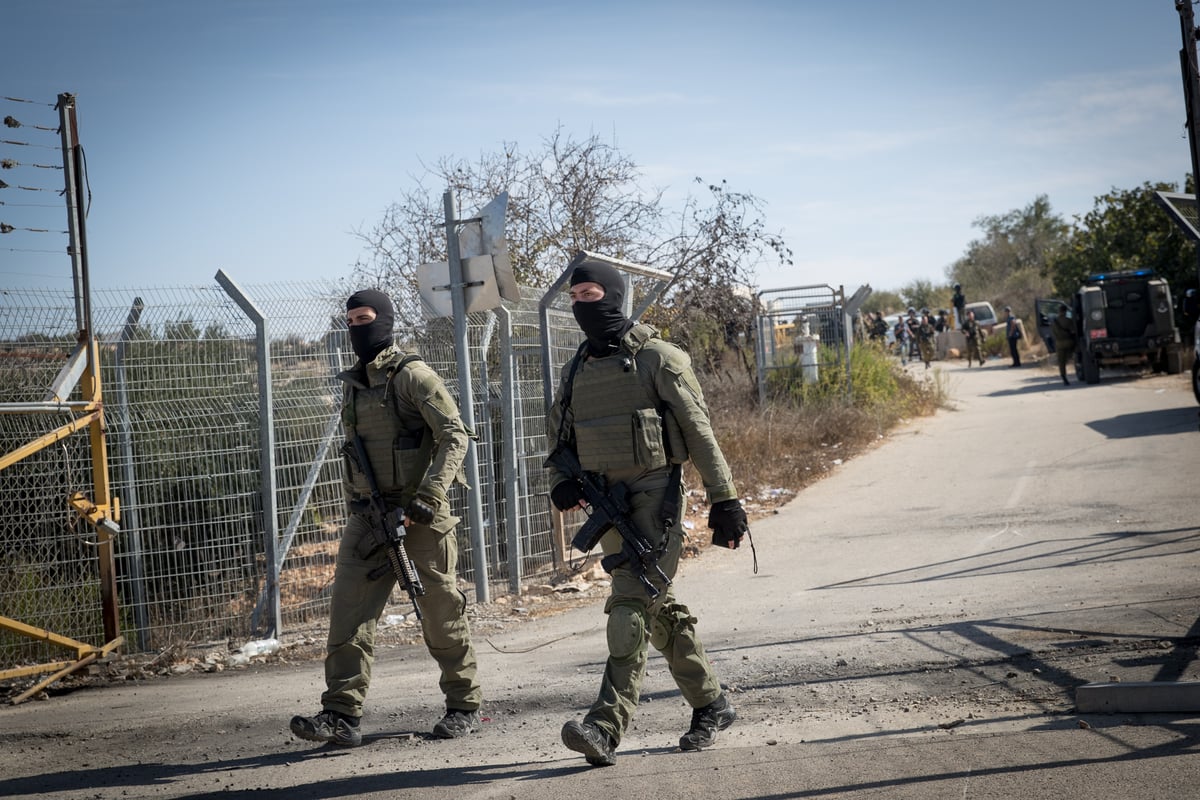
<point x="854" y="144"/>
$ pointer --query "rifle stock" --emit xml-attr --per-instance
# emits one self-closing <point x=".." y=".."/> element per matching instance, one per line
<point x="609" y="506"/>
<point x="388" y="527"/>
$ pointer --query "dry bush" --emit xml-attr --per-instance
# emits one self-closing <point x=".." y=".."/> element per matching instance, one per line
<point x="787" y="445"/>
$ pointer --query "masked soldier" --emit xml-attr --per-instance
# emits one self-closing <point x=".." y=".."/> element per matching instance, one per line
<point x="630" y="407"/>
<point x="416" y="441"/>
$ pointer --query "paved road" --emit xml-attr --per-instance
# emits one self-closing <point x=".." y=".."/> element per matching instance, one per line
<point x="918" y="626"/>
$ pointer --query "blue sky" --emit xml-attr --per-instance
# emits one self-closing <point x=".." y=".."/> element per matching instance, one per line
<point x="256" y="136"/>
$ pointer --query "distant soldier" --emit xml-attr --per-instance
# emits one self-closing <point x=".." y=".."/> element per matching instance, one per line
<point x="904" y="337"/>
<point x="974" y="336"/>
<point x="879" y="329"/>
<point x="1014" y="332"/>
<point x="1063" y="329"/>
<point x="959" y="301"/>
<point x="925" y="334"/>
<point x="913" y="323"/>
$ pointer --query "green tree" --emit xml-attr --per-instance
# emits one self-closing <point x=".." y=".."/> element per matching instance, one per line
<point x="885" y="301"/>
<point x="922" y="293"/>
<point x="1010" y="263"/>
<point x="1126" y="229"/>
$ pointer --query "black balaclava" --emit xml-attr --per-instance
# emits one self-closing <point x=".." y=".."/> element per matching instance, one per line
<point x="371" y="339"/>
<point x="603" y="321"/>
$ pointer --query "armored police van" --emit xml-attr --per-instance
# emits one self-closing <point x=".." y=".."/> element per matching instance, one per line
<point x="1125" y="317"/>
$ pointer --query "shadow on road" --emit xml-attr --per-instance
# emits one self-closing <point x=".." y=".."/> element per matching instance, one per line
<point x="1034" y="380"/>
<point x="1028" y="557"/>
<point x="910" y="774"/>
<point x="1163" y="422"/>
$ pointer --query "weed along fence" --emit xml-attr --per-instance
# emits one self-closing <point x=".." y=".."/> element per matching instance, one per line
<point x="805" y="330"/>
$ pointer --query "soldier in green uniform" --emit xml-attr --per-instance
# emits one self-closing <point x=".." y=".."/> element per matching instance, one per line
<point x="416" y="442"/>
<point x="879" y="329"/>
<point x="925" y="333"/>
<point x="631" y="408"/>
<point x="1063" y="329"/>
<point x="974" y="335"/>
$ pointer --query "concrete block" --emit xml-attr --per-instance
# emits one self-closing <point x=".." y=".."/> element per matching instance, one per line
<point x="1151" y="697"/>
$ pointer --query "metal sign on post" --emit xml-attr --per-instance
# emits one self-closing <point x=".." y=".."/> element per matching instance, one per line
<point x="489" y="234"/>
<point x="487" y="276"/>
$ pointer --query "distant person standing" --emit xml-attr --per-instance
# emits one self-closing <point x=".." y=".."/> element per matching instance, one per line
<point x="1014" y="332"/>
<point x="1063" y="329"/>
<point x="903" y="339"/>
<point x="974" y="337"/>
<point x="959" y="301"/>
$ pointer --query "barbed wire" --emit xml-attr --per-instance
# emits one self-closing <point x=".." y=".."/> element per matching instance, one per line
<point x="12" y="122"/>
<point x="28" y="222"/>
<point x="4" y="185"/>
<point x="31" y="102"/>
<point x="7" y="228"/>
<point x="28" y="250"/>
<point x="12" y="163"/>
<point x="30" y="205"/>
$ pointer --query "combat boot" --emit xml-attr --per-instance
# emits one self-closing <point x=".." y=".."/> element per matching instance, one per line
<point x="456" y="724"/>
<point x="328" y="726"/>
<point x="595" y="744"/>
<point x="716" y="716"/>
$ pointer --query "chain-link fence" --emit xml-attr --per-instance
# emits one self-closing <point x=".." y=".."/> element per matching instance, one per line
<point x="224" y="498"/>
<point x="803" y="328"/>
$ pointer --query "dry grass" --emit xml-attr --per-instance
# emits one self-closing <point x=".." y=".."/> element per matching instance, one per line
<point x="788" y="446"/>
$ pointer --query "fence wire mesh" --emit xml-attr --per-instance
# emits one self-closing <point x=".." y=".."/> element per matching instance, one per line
<point x="800" y="328"/>
<point x="180" y="371"/>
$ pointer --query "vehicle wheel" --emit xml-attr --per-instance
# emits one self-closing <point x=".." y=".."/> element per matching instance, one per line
<point x="1091" y="369"/>
<point x="1078" y="365"/>
<point x="1196" y="379"/>
<point x="1173" y="361"/>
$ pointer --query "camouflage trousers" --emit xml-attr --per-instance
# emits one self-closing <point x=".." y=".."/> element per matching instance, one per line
<point x="636" y="621"/>
<point x="358" y="602"/>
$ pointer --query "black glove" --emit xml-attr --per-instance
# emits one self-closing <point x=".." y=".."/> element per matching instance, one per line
<point x="420" y="511"/>
<point x="728" y="522"/>
<point x="566" y="494"/>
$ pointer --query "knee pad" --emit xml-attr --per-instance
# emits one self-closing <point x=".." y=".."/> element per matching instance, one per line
<point x="626" y="630"/>
<point x="669" y="621"/>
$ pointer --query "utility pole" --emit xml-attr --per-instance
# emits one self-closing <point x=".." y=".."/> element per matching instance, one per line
<point x="1191" y="94"/>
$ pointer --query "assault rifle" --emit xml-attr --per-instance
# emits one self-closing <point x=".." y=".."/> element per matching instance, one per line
<point x="609" y="507"/>
<point x="387" y="528"/>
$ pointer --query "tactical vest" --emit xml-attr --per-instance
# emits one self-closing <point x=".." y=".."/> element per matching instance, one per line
<point x="400" y="450"/>
<point x="615" y="416"/>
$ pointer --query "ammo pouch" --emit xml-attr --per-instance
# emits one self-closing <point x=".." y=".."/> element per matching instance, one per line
<point x="621" y="442"/>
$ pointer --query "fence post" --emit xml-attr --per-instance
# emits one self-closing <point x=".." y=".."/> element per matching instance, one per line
<point x="466" y="398"/>
<point x="266" y="417"/>
<point x="130" y="522"/>
<point x="508" y="439"/>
